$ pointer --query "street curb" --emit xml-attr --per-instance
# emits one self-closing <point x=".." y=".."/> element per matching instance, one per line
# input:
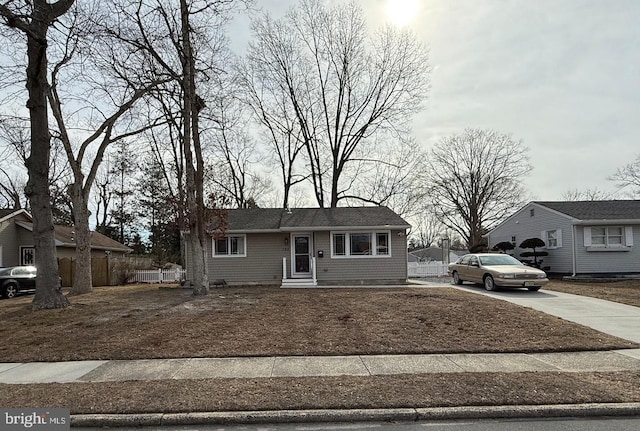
<point x="355" y="415"/>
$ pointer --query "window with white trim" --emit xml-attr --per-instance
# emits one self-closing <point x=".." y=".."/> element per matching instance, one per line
<point x="230" y="246"/>
<point x="361" y="244"/>
<point x="552" y="238"/>
<point x="608" y="237"/>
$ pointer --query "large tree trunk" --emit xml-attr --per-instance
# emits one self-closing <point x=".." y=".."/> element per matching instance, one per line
<point x="48" y="292"/>
<point x="82" y="280"/>
<point x="194" y="175"/>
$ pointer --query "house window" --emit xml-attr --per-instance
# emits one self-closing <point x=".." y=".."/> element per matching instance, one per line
<point x="532" y="212"/>
<point x="608" y="238"/>
<point x="230" y="245"/>
<point x="382" y="243"/>
<point x="27" y="255"/>
<point x="339" y="245"/>
<point x="356" y="244"/>
<point x="552" y="238"/>
<point x="360" y="243"/>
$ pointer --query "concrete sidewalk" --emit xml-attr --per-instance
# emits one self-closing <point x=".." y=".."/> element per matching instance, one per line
<point x="299" y="366"/>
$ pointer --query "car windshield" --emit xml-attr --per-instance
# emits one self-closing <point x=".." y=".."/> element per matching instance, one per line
<point x="499" y="260"/>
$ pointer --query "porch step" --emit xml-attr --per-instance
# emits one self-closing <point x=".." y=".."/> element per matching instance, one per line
<point x="298" y="282"/>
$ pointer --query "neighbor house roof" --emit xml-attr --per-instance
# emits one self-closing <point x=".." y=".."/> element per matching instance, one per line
<point x="64" y="238"/>
<point x="596" y="210"/>
<point x="6" y="214"/>
<point x="299" y="219"/>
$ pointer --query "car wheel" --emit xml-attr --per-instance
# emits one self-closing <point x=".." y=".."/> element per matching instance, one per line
<point x="456" y="278"/>
<point x="534" y="289"/>
<point x="10" y="290"/>
<point x="489" y="284"/>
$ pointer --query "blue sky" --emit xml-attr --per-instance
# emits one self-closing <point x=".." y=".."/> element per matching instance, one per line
<point x="563" y="76"/>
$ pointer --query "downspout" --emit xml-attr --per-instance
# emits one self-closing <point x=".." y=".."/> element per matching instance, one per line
<point x="573" y="226"/>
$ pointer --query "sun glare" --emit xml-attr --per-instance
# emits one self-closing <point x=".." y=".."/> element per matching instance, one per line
<point x="402" y="12"/>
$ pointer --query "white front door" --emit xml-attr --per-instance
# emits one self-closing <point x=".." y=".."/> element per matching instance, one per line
<point x="301" y="253"/>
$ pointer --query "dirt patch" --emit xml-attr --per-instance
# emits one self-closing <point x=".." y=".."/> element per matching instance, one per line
<point x="145" y="321"/>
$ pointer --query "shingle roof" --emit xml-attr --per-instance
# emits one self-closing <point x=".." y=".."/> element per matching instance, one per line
<point x="64" y="235"/>
<point x="597" y="210"/>
<point x="276" y="219"/>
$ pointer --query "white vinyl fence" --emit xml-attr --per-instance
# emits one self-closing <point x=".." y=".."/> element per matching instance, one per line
<point x="159" y="276"/>
<point x="427" y="269"/>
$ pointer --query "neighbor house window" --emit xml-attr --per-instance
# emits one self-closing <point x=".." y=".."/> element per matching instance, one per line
<point x="608" y="237"/>
<point x="230" y="245"/>
<point x="345" y="244"/>
<point x="552" y="238"/>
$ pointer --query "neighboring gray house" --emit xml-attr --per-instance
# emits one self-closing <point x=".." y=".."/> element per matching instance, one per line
<point x="17" y="247"/>
<point x="583" y="237"/>
<point x="309" y="246"/>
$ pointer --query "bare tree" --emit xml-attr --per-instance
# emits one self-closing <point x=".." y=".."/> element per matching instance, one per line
<point x="628" y="177"/>
<point x="236" y="155"/>
<point x="387" y="176"/>
<point x="475" y="180"/>
<point x="115" y="88"/>
<point x="594" y="194"/>
<point x="427" y="229"/>
<point x="342" y="87"/>
<point x="180" y="43"/>
<point x="34" y="19"/>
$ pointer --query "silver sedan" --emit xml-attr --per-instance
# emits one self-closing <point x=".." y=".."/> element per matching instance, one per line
<point x="496" y="270"/>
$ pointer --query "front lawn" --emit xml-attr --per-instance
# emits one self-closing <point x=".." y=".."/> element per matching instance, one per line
<point x="145" y="321"/>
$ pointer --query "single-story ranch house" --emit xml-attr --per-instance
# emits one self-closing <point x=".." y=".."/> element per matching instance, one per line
<point x="17" y="247"/>
<point x="582" y="237"/>
<point x="309" y="247"/>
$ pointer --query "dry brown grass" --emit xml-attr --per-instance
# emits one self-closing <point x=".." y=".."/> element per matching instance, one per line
<point x="624" y="291"/>
<point x="144" y="321"/>
<point x="345" y="392"/>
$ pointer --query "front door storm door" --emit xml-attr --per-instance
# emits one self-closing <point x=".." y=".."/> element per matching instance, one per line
<point x="301" y="255"/>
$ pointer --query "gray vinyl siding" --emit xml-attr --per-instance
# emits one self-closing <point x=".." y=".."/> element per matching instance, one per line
<point x="607" y="262"/>
<point x="262" y="263"/>
<point x="355" y="269"/>
<point x="522" y="225"/>
<point x="11" y="238"/>
<point x="265" y="251"/>
<point x="10" y="243"/>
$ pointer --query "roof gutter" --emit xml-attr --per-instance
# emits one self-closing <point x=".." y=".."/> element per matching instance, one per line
<point x="601" y="222"/>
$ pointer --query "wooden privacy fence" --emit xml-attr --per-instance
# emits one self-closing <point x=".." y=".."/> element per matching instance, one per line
<point x="427" y="269"/>
<point x="101" y="271"/>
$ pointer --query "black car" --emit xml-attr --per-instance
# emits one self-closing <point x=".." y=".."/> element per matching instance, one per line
<point x="17" y="279"/>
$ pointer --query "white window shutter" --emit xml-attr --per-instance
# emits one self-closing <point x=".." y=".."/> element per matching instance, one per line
<point x="628" y="235"/>
<point x="543" y="236"/>
<point x="587" y="236"/>
<point x="559" y="237"/>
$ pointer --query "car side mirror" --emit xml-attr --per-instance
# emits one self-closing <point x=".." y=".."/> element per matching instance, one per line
<point x="475" y="264"/>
